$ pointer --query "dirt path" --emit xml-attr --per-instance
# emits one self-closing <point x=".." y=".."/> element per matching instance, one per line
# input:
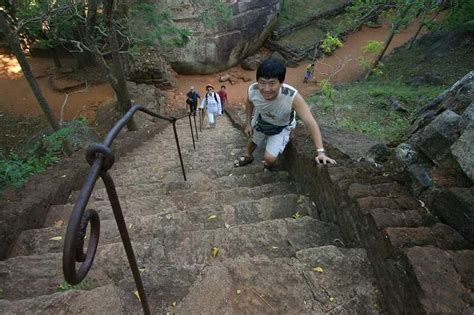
<point x="352" y="49"/>
<point x="17" y="98"/>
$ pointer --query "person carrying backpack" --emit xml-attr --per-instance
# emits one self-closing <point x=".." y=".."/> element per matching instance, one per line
<point x="211" y="102"/>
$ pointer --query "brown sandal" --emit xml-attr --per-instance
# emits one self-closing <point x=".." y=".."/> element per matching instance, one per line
<point x="242" y="161"/>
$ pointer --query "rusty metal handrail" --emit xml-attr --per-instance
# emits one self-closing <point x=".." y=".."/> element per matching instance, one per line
<point x="101" y="159"/>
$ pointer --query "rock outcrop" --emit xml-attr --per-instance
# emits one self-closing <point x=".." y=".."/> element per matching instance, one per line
<point x="437" y="157"/>
<point x="218" y="47"/>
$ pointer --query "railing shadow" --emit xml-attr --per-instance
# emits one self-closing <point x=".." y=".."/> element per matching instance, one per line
<point x="101" y="158"/>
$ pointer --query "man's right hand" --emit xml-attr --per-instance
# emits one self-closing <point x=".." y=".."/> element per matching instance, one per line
<point x="248" y="130"/>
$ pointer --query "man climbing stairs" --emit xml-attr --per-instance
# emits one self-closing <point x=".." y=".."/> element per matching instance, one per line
<point x="227" y="240"/>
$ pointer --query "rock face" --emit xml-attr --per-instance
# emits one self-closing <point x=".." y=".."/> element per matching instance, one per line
<point x="214" y="48"/>
<point x="437" y="157"/>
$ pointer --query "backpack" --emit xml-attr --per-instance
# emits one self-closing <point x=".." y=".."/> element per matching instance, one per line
<point x="215" y="97"/>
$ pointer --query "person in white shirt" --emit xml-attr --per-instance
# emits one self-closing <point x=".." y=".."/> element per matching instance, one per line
<point x="270" y="116"/>
<point x="211" y="102"/>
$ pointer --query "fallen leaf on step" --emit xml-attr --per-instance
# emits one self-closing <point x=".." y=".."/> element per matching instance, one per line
<point x="212" y="217"/>
<point x="227" y="225"/>
<point x="137" y="295"/>
<point x="173" y="304"/>
<point x="297" y="215"/>
<point x="331" y="299"/>
<point x="1" y="293"/>
<point x="142" y="270"/>
<point x="385" y="174"/>
<point x="58" y="224"/>
<point x="422" y="204"/>
<point x="56" y="238"/>
<point x="130" y="226"/>
<point x="215" y="251"/>
<point x="238" y="291"/>
<point x="318" y="269"/>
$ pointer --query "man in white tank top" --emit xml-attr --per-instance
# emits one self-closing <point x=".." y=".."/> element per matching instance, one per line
<point x="273" y="105"/>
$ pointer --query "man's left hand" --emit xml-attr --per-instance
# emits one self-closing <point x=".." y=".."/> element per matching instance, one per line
<point x="324" y="159"/>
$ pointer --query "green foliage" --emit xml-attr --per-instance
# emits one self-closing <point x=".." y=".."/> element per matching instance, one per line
<point x="148" y="26"/>
<point x="49" y="23"/>
<point x="16" y="170"/>
<point x="364" y="107"/>
<point x="85" y="284"/>
<point x="461" y="15"/>
<point x="371" y="49"/>
<point x="218" y="13"/>
<point x="330" y="43"/>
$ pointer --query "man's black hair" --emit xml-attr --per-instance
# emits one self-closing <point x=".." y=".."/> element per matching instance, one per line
<point x="272" y="68"/>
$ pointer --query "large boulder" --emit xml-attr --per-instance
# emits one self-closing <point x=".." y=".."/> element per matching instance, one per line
<point x="212" y="48"/>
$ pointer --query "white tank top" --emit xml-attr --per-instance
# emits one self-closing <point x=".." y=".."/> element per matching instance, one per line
<point x="277" y="111"/>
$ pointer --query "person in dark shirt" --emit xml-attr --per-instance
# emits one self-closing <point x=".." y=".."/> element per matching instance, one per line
<point x="223" y="95"/>
<point x="192" y="100"/>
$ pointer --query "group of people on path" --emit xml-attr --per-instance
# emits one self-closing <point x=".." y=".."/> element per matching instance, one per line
<point x="212" y="103"/>
<point x="271" y="107"/>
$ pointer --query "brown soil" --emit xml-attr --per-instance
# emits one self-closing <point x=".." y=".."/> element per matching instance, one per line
<point x="352" y="50"/>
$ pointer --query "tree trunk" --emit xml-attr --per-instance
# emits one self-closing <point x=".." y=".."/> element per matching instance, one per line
<point x="55" y="56"/>
<point x="389" y="39"/>
<point x="30" y="78"/>
<point x="420" y="27"/>
<point x="116" y="78"/>
<point x="25" y="67"/>
<point x="123" y="98"/>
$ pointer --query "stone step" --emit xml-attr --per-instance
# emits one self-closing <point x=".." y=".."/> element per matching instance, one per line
<point x="256" y="285"/>
<point x="40" y="241"/>
<point x="182" y="187"/>
<point x="102" y="300"/>
<point x="192" y="175"/>
<point x="154" y="164"/>
<point x="187" y="200"/>
<point x="27" y="276"/>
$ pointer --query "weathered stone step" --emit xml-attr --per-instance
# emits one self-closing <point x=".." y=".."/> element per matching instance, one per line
<point x="27" y="276"/>
<point x="40" y="241"/>
<point x="287" y="286"/>
<point x="187" y="200"/>
<point x="182" y="187"/>
<point x="192" y="175"/>
<point x="244" y="285"/>
<point x="102" y="300"/>
<point x="62" y="212"/>
<point x="154" y="164"/>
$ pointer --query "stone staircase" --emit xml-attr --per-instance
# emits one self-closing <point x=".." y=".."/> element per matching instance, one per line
<point x="227" y="240"/>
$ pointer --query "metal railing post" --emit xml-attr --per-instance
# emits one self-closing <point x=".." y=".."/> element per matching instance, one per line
<point x="192" y="133"/>
<point x="115" y="203"/>
<point x="195" y="127"/>
<point x="179" y="149"/>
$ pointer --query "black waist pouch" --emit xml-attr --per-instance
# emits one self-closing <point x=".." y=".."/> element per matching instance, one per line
<point x="267" y="128"/>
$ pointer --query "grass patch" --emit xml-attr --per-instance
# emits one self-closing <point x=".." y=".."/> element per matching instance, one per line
<point x="449" y="66"/>
<point x="364" y="107"/>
